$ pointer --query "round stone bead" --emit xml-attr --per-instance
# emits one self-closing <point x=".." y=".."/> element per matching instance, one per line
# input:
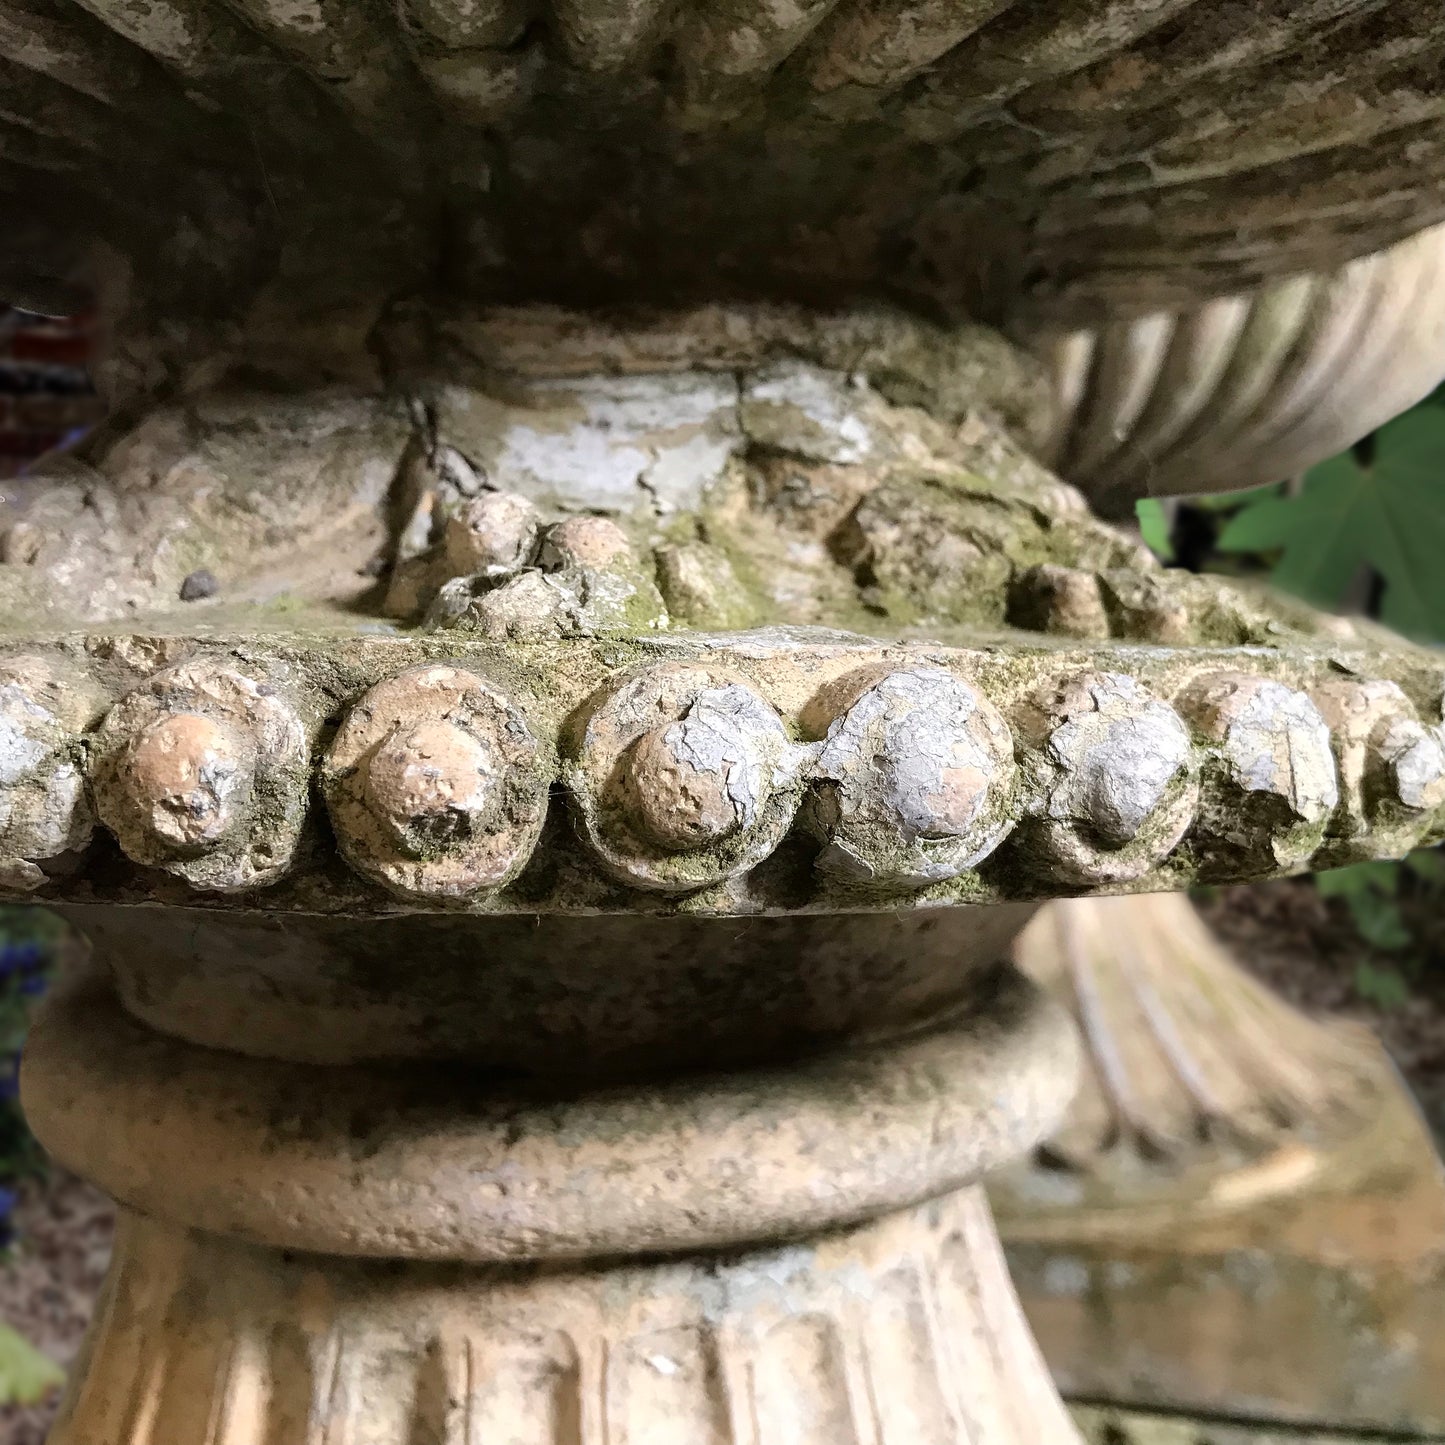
<point x="914" y="780"/>
<point x="1114" y="774"/>
<point x="682" y="776"/>
<point x="436" y="785"/>
<point x="203" y="771"/>
<point x="1270" y="783"/>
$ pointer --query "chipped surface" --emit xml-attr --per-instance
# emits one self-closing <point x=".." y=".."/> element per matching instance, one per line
<point x="915" y="780"/>
<point x="1118" y="777"/>
<point x="633" y="444"/>
<point x="204" y="772"/>
<point x="435" y="785"/>
<point x="44" y="808"/>
<point x="1272" y="783"/>
<point x="683" y="776"/>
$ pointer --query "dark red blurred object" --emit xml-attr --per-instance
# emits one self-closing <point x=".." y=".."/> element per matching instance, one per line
<point x="46" y="396"/>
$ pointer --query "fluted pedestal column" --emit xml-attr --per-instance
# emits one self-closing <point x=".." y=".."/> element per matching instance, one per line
<point x="369" y="1255"/>
<point x="1242" y="1209"/>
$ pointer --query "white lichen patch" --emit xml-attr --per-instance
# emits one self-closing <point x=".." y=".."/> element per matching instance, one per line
<point x="806" y="410"/>
<point x="628" y="445"/>
<point x="1414" y="756"/>
<point x="914" y="780"/>
<point x="1114" y="769"/>
<point x="1277" y="742"/>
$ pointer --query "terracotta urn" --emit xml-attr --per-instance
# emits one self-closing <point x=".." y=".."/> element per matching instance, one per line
<point x="567" y="667"/>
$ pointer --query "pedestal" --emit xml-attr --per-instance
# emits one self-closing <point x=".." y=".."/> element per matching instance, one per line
<point x="568" y="860"/>
<point x="368" y="1255"/>
<point x="1243" y="1214"/>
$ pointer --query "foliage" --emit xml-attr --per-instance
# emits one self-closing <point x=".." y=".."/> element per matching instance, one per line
<point x="1154" y="528"/>
<point x="26" y="1376"/>
<point x="1375" y="895"/>
<point x="1376" y="507"/>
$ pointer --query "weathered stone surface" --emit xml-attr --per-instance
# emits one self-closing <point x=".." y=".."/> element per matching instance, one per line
<point x="203" y="772"/>
<point x="265" y="1150"/>
<point x="993" y="775"/>
<point x="44" y="810"/>
<point x="1242" y="1213"/>
<point x="534" y="1071"/>
<point x="435" y="785"/>
<point x="1296" y="1305"/>
<point x="1391" y="763"/>
<point x="624" y="995"/>
<point x="1105" y="1426"/>
<point x="1272" y="784"/>
<point x="494" y="535"/>
<point x="766" y="1342"/>
<point x="683" y="776"/>
<point x="275" y="496"/>
<point x="915" y="778"/>
<point x="702" y="589"/>
<point x="1115" y="774"/>
<point x="1200" y="1084"/>
<point x="1249" y="388"/>
<point x="1002" y="155"/>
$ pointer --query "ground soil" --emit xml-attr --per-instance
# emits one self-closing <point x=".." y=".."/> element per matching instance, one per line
<point x="1307" y="948"/>
<point x="1303" y="945"/>
<point x="49" y="1281"/>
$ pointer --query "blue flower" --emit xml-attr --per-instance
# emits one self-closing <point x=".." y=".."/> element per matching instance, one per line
<point x="24" y="959"/>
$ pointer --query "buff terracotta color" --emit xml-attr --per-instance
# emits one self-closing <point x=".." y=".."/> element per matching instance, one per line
<point x="550" y="902"/>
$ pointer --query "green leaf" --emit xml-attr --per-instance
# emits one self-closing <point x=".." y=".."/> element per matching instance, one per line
<point x="26" y="1376"/>
<point x="1154" y="528"/>
<point x="1383" y="987"/>
<point x="1427" y="864"/>
<point x="1379" y="877"/>
<point x="1389" y="516"/>
<point x="1379" y="922"/>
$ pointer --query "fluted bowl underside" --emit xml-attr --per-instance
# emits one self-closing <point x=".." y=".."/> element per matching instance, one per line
<point x="975" y="151"/>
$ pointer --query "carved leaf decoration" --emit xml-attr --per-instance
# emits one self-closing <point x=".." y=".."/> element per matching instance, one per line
<point x="1387" y="514"/>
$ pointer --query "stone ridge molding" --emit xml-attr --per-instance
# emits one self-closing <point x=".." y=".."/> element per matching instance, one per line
<point x="623" y="1167"/>
<point x="694" y="766"/>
